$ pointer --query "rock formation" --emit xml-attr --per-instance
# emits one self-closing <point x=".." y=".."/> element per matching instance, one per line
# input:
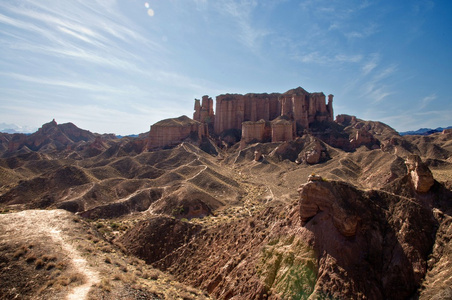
<point x="254" y="131"/>
<point x="249" y="113"/>
<point x="420" y="174"/>
<point x="51" y="137"/>
<point x="313" y="153"/>
<point x="355" y="232"/>
<point x="282" y="129"/>
<point x="170" y="132"/>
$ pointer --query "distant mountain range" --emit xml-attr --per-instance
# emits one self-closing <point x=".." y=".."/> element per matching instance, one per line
<point x="424" y="131"/>
<point x="13" y="128"/>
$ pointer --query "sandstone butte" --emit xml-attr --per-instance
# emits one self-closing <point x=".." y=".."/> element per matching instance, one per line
<point x="260" y="117"/>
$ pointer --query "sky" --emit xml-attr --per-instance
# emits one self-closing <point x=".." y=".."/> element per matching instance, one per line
<point x="119" y="66"/>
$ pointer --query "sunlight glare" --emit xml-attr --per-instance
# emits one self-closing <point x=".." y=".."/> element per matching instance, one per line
<point x="146" y="5"/>
<point x="150" y="12"/>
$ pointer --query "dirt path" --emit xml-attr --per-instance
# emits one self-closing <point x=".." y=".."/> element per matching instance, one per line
<point x="56" y="224"/>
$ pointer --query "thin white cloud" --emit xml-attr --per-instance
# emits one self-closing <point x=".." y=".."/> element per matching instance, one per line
<point x="241" y="12"/>
<point x="427" y="100"/>
<point x="363" y="33"/>
<point x="101" y="88"/>
<point x="371" y="63"/>
<point x="316" y="57"/>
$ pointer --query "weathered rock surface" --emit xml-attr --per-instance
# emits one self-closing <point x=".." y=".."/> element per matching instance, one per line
<point x="300" y="107"/>
<point x="384" y="236"/>
<point x="171" y="132"/>
<point x="420" y="174"/>
<point x="313" y="153"/>
<point x="254" y="132"/>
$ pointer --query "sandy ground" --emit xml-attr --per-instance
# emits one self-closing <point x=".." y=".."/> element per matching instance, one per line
<point x="32" y="225"/>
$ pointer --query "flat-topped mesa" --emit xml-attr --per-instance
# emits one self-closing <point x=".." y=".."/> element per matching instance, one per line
<point x="171" y="132"/>
<point x="264" y="117"/>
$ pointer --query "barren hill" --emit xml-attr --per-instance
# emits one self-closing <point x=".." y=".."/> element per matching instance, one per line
<point x="234" y="221"/>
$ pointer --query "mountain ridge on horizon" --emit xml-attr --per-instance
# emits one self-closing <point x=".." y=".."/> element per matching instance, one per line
<point x="17" y="129"/>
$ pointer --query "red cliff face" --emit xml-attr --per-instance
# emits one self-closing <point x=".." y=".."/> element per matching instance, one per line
<point x="301" y="108"/>
<point x="171" y="132"/>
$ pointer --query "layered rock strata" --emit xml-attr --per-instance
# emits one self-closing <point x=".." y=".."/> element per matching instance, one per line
<point x="171" y="132"/>
<point x="300" y="106"/>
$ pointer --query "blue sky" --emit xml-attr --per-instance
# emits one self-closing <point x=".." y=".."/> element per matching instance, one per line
<point x="118" y="66"/>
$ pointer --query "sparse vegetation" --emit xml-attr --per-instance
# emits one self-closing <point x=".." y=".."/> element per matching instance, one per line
<point x="226" y="225"/>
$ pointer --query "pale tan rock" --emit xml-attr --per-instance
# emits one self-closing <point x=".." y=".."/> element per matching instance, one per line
<point x="420" y="174"/>
<point x="282" y="130"/>
<point x="253" y="131"/>
<point x="257" y="155"/>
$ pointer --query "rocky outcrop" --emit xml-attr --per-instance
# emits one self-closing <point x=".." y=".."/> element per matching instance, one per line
<point x="319" y="196"/>
<point x="254" y="132"/>
<point x="420" y="175"/>
<point x="171" y="132"/>
<point x="282" y="130"/>
<point x="51" y="137"/>
<point x="376" y="233"/>
<point x="363" y="137"/>
<point x="257" y="155"/>
<point x="447" y="131"/>
<point x="204" y="111"/>
<point x="233" y="109"/>
<point x="345" y="120"/>
<point x="300" y="107"/>
<point x="313" y="153"/>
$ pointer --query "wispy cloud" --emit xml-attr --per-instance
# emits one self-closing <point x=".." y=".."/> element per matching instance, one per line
<point x="378" y="88"/>
<point x="371" y="63"/>
<point x="77" y="33"/>
<point x="316" y="57"/>
<point x="241" y="12"/>
<point x="427" y="100"/>
<point x="93" y="87"/>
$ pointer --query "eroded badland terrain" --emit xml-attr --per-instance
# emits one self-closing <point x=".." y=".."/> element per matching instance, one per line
<point x="267" y="198"/>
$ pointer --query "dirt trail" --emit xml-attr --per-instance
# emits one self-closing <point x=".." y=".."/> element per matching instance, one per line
<point x="56" y="224"/>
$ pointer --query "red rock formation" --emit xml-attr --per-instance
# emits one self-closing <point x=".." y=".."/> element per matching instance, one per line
<point x="254" y="131"/>
<point x="171" y="132"/>
<point x="282" y="130"/>
<point x="300" y="106"/>
<point x="376" y="233"/>
<point x="204" y="111"/>
<point x="230" y="112"/>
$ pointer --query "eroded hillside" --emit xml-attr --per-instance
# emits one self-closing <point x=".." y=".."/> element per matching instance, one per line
<point x="239" y="221"/>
